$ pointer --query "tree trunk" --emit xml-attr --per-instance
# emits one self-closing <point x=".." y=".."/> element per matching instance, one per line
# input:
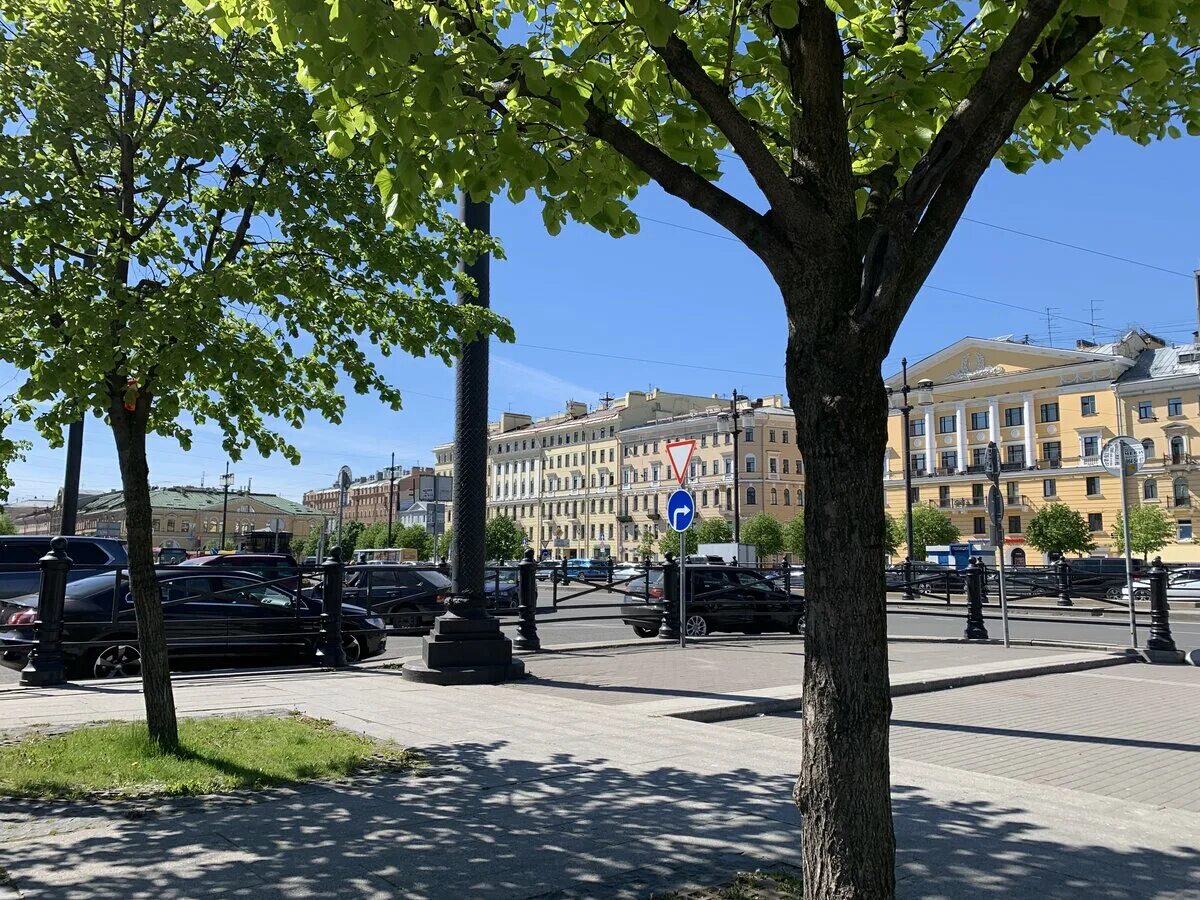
<point x="844" y="789"/>
<point x="129" y="430"/>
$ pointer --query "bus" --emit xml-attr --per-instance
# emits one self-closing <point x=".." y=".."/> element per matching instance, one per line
<point x="391" y="555"/>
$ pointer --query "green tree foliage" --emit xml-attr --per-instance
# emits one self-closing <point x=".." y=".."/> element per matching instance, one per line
<point x="373" y="537"/>
<point x="1150" y="529"/>
<point x="932" y="527"/>
<point x="764" y="534"/>
<point x="865" y="126"/>
<point x="715" y="530"/>
<point x="648" y="546"/>
<point x="349" y="540"/>
<point x="1058" y="529"/>
<point x="414" y="537"/>
<point x="502" y="539"/>
<point x="6" y="524"/>
<point x="443" y="542"/>
<point x="793" y="537"/>
<point x="893" y="534"/>
<point x="178" y="249"/>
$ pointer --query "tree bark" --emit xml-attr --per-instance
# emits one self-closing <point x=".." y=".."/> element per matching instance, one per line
<point x="844" y="789"/>
<point x="129" y="430"/>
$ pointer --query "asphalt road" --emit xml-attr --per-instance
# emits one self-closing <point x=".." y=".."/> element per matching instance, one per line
<point x="570" y="625"/>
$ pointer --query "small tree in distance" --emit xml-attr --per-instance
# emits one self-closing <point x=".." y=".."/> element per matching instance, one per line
<point x="932" y="527"/>
<point x="893" y="534"/>
<point x="764" y="534"/>
<point x="503" y="539"/>
<point x="7" y="525"/>
<point x="1057" y="529"/>
<point x="1150" y="529"/>
<point x="793" y="537"/>
<point x="715" y="530"/>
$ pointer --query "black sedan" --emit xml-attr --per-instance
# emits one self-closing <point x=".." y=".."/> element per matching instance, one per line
<point x="722" y="598"/>
<point x="230" y="617"/>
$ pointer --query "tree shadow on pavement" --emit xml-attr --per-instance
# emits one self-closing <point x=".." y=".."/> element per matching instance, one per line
<point x="479" y="824"/>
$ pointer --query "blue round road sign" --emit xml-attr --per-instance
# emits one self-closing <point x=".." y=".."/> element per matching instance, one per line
<point x="681" y="509"/>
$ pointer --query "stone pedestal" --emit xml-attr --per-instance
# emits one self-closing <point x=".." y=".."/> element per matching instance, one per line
<point x="463" y="650"/>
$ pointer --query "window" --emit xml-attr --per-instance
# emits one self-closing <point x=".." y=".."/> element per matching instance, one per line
<point x="1175" y="406"/>
<point x="170" y="524"/>
<point x="950" y="460"/>
<point x="918" y="462"/>
<point x="977" y="495"/>
<point x="785" y="436"/>
<point x="786" y="463"/>
<point x="915" y="494"/>
<point x="1052" y="451"/>
<point x="1013" y="489"/>
<point x="1148" y="446"/>
<point x="749" y="434"/>
<point x="944" y="495"/>
<point x="774" y="497"/>
<point x="1049" y="412"/>
<point x="946" y="424"/>
<point x="1093" y="485"/>
<point x="979" y="421"/>
<point x="980" y="525"/>
<point x="751" y="496"/>
<point x="1049" y="487"/>
<point x="1179" y="489"/>
<point x="773" y="465"/>
<point x="787" y="495"/>
<point x="1016" y="454"/>
<point x="916" y="428"/>
<point x="1095" y="522"/>
<point x="1145" y="410"/>
<point x="1014" y="416"/>
<point x="1178" y="450"/>
<point x="704" y="498"/>
<point x="1091" y="446"/>
<point x="1087" y="405"/>
<point x="751" y="464"/>
<point x="1150" y="489"/>
<point x="1014" y="524"/>
<point x="979" y="457"/>
<point x="771" y="436"/>
<point x="1184" y="529"/>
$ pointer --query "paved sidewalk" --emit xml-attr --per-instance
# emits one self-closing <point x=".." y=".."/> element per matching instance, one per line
<point x="539" y="792"/>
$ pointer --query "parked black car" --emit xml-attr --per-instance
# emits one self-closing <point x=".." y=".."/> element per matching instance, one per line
<point x="278" y="568"/>
<point x="407" y="599"/>
<point x="929" y="579"/>
<point x="210" y="617"/>
<point x="19" y="555"/>
<point x="723" y="598"/>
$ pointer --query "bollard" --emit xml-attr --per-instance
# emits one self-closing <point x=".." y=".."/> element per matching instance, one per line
<point x="668" y="629"/>
<point x="46" y="666"/>
<point x="444" y="567"/>
<point x="565" y="576"/>
<point x="1161" y="646"/>
<point x="330" y="652"/>
<point x="527" y="587"/>
<point x="646" y="578"/>
<point x="787" y="575"/>
<point x="976" y="577"/>
<point x="1064" y="581"/>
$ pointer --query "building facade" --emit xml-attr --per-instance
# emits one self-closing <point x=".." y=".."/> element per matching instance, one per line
<point x="1050" y="411"/>
<point x="369" y="495"/>
<point x="190" y="517"/>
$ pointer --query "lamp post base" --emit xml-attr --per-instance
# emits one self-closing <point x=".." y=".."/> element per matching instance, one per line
<point x="462" y="650"/>
<point x="1163" y="657"/>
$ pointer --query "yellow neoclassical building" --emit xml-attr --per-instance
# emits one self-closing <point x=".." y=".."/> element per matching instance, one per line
<point x="1050" y="410"/>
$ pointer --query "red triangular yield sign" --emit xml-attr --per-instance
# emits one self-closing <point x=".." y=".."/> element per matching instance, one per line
<point x="680" y="453"/>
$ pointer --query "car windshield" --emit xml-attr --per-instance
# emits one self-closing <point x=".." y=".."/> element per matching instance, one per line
<point x="94" y="584"/>
<point x="438" y="580"/>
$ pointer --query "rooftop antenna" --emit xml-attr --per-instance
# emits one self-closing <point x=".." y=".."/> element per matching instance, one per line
<point x="1050" y="314"/>
<point x="606" y="400"/>
<point x="1092" y="304"/>
<point x="1196" y="272"/>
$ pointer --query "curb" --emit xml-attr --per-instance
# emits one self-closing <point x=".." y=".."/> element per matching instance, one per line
<point x="904" y="688"/>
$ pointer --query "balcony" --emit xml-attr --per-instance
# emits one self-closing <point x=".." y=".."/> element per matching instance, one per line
<point x="1013" y="466"/>
<point x="1178" y="460"/>
<point x="1181" y="502"/>
<point x="1054" y="462"/>
<point x="655" y="515"/>
<point x="1090" y="460"/>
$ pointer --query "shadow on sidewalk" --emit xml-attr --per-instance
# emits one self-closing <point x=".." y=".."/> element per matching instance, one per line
<point x="569" y="825"/>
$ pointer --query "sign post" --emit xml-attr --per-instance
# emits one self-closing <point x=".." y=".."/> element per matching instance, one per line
<point x="995" y="504"/>
<point x="1123" y="456"/>
<point x="681" y="510"/>
<point x="345" y="478"/>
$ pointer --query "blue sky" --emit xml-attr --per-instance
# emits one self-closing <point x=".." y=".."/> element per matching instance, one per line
<point x="687" y="303"/>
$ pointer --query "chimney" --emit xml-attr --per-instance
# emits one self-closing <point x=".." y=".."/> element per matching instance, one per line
<point x="575" y="409"/>
<point x="1082" y="344"/>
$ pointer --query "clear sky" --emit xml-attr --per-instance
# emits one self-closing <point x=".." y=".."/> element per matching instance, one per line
<point x="695" y="312"/>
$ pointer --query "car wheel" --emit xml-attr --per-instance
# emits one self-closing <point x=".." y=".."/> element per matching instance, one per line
<point x="352" y="648"/>
<point x="796" y="625"/>
<point x="119" y="661"/>
<point x="644" y="632"/>
<point x="696" y="626"/>
<point x="1113" y="593"/>
<point x="1142" y="595"/>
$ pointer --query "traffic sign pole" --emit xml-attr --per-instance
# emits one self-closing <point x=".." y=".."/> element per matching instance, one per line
<point x="996" y="509"/>
<point x="1128" y="562"/>
<point x="1123" y="456"/>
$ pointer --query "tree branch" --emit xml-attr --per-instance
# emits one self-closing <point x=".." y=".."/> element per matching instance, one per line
<point x="243" y="226"/>
<point x="715" y="101"/>
<point x="19" y="277"/>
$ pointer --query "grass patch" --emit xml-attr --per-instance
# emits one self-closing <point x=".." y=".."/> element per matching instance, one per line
<point x="217" y="755"/>
<point x="757" y="885"/>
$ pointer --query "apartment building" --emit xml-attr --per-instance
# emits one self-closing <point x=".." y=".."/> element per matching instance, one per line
<point x="1050" y="410"/>
<point x="369" y="495"/>
<point x="770" y="470"/>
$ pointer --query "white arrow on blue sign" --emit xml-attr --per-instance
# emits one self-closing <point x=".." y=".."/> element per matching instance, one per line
<point x="681" y="509"/>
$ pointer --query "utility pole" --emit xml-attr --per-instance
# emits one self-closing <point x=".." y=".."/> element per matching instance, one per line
<point x="226" y="480"/>
<point x="391" y="496"/>
<point x="1196" y="272"/>
<point x="736" y="431"/>
<point x="70" y="493"/>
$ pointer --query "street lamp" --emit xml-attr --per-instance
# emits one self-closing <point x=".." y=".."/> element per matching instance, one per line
<point x="730" y="420"/>
<point x="924" y="391"/>
<point x="226" y="481"/>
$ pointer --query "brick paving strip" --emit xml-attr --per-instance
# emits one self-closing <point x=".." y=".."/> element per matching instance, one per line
<point x="542" y="790"/>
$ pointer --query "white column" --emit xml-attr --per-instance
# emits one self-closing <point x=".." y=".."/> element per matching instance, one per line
<point x="994" y="419"/>
<point x="930" y="441"/>
<point x="1029" y="429"/>
<point x="960" y="411"/>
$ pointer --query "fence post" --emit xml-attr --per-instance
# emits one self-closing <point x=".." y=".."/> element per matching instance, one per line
<point x="330" y="651"/>
<point x="976" y="577"/>
<point x="444" y="567"/>
<point x="527" y="584"/>
<point x="646" y="579"/>
<point x="46" y="666"/>
<point x="668" y="629"/>
<point x="1161" y="645"/>
<point x="786" y="574"/>
<point x="1063" y="569"/>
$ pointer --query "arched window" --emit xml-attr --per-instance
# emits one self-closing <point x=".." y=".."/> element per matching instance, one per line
<point x="1178" y="449"/>
<point x="170" y="524"/>
<point x="751" y="496"/>
<point x="1150" y="489"/>
<point x="1148" y="446"/>
<point x="787" y="495"/>
<point x="1179" y="489"/>
<point x="774" y="497"/>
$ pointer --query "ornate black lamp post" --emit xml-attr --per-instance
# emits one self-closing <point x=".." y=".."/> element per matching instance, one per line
<point x="924" y="391"/>
<point x="466" y="645"/>
<point x="732" y="420"/>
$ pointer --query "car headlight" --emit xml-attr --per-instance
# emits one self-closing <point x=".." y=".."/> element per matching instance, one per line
<point x="375" y="622"/>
